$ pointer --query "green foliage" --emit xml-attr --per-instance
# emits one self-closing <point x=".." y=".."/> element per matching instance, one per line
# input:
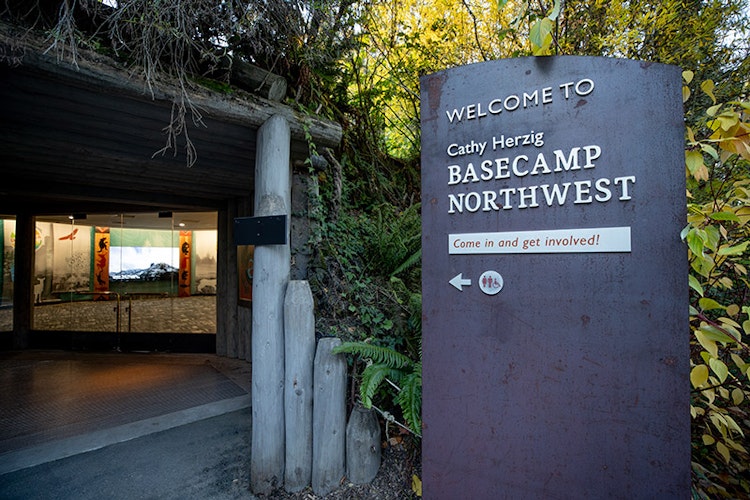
<point x="709" y="37"/>
<point x="540" y="33"/>
<point x="394" y="243"/>
<point x="400" y="372"/>
<point x="718" y="171"/>
<point x="367" y="283"/>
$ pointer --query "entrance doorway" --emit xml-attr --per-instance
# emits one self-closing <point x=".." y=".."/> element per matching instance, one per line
<point x="135" y="275"/>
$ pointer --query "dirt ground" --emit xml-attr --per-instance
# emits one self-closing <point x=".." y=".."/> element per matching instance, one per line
<point x="393" y="481"/>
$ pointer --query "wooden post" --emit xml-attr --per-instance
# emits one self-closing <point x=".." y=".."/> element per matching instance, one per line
<point x="329" y="417"/>
<point x="362" y="446"/>
<point x="226" y="284"/>
<point x="23" y="295"/>
<point x="270" y="276"/>
<point x="299" y="351"/>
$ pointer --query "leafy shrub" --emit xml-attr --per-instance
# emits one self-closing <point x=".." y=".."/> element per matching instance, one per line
<point x="718" y="168"/>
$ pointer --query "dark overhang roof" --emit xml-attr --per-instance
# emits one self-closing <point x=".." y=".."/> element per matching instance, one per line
<point x="85" y="135"/>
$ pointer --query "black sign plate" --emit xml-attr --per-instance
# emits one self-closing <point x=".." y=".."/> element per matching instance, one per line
<point x="267" y="230"/>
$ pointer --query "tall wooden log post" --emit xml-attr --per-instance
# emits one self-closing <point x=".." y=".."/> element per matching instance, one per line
<point x="271" y="266"/>
<point x="329" y="417"/>
<point x="299" y="341"/>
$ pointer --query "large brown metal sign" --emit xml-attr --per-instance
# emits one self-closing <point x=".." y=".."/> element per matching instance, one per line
<point x="554" y="281"/>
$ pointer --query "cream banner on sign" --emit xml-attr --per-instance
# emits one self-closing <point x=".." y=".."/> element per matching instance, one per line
<point x="591" y="240"/>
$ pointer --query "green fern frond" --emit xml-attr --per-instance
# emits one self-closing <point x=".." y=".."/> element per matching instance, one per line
<point x="377" y="354"/>
<point x="412" y="260"/>
<point x="410" y="399"/>
<point x="372" y="377"/>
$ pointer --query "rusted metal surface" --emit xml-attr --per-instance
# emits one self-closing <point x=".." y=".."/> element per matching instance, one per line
<point x="571" y="381"/>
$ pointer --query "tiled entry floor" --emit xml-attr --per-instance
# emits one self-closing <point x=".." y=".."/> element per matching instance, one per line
<point x="51" y="397"/>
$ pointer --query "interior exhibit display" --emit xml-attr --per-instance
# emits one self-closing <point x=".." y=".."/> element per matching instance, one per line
<point x="138" y="273"/>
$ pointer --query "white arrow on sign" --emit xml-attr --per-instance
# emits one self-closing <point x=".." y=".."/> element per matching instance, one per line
<point x="459" y="282"/>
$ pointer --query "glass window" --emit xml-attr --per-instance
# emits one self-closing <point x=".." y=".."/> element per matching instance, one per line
<point x="140" y="273"/>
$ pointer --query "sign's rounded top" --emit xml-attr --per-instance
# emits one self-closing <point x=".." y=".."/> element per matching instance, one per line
<point x="546" y="63"/>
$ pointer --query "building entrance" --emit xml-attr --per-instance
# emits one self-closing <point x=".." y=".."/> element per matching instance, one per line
<point x="122" y="275"/>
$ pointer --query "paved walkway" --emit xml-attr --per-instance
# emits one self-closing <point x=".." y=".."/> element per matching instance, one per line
<point x="153" y="426"/>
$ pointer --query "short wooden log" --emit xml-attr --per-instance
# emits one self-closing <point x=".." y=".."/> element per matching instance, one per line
<point x="362" y="446"/>
<point x="258" y="81"/>
<point x="299" y="341"/>
<point x="329" y="418"/>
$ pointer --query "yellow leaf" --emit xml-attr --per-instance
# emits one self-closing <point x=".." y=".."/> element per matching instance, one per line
<point x="710" y="395"/>
<point x="719" y="368"/>
<point x="708" y="87"/>
<point x="713" y="110"/>
<point x="733" y="310"/>
<point x="736" y="446"/>
<point x="540" y="35"/>
<point x="707" y="304"/>
<point x="707" y="344"/>
<point x="690" y="133"/>
<point x="693" y="160"/>
<point x="695" y="284"/>
<point x="699" y="375"/>
<point x="723" y="450"/>
<point x="724" y="392"/>
<point x="739" y="362"/>
<point x="416" y="485"/>
<point x="718" y="422"/>
<point x="738" y="396"/>
<point x="708" y="440"/>
<point x="707" y="148"/>
<point x="726" y="282"/>
<point x="729" y="322"/>
<point x="687" y="75"/>
<point x="733" y="425"/>
<point x="685" y="93"/>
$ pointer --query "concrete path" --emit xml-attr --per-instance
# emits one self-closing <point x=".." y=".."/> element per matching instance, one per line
<point x="82" y="425"/>
<point x="209" y="459"/>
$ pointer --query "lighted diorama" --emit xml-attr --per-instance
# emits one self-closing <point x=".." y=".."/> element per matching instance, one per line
<point x="95" y="278"/>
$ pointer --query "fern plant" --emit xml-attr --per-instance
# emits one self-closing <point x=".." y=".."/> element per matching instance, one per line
<point x="399" y="371"/>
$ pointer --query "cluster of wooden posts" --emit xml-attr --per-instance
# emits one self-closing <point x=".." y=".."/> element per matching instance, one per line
<point x="300" y="435"/>
<point x="321" y="448"/>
